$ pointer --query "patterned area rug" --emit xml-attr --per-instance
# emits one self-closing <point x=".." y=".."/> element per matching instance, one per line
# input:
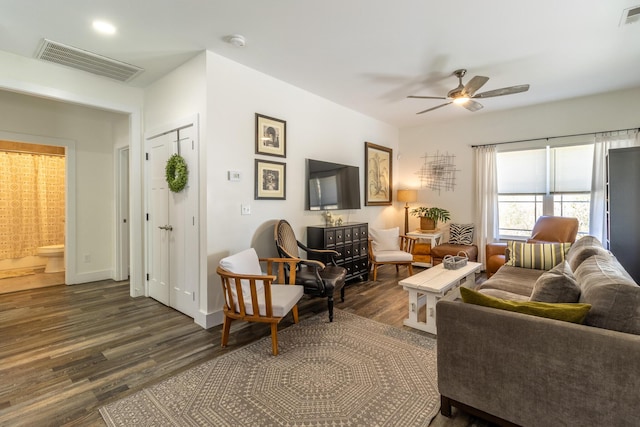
<point x="352" y="372"/>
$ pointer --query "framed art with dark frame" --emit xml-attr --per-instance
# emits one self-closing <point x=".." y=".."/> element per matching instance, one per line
<point x="271" y="136"/>
<point x="271" y="182"/>
<point x="378" y="173"/>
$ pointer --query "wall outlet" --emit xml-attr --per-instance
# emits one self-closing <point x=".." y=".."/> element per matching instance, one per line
<point x="246" y="209"/>
<point x="233" y="175"/>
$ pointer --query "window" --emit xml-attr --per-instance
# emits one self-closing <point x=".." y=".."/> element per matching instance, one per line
<point x="543" y="181"/>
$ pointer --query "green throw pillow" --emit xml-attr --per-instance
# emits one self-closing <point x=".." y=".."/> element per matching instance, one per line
<point x="574" y="313"/>
<point x="540" y="256"/>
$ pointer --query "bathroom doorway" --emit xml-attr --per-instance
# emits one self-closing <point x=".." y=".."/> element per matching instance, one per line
<point x="32" y="215"/>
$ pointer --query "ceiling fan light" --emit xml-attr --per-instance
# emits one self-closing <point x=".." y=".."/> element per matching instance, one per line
<point x="461" y="100"/>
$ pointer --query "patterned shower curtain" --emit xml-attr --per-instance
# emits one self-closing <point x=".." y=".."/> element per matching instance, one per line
<point x="32" y="202"/>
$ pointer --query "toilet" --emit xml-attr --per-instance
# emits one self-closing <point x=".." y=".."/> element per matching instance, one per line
<point x="55" y="258"/>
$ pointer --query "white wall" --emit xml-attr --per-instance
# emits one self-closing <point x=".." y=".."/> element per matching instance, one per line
<point x="92" y="131"/>
<point x="178" y="97"/>
<point x="226" y="101"/>
<point x="610" y="111"/>
<point x="316" y="128"/>
<point x="43" y="79"/>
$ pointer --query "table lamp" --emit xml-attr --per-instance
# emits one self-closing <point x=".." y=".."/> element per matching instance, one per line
<point x="407" y="196"/>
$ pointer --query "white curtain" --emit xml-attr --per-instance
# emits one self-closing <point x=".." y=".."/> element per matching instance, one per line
<point x="604" y="142"/>
<point x="486" y="203"/>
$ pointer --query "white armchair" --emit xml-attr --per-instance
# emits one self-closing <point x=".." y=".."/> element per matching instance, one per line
<point x="389" y="247"/>
<point x="252" y="296"/>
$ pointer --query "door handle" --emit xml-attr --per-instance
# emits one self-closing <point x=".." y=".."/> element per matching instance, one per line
<point x="165" y="227"/>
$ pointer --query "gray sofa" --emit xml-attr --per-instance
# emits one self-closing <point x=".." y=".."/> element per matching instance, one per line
<point x="519" y="369"/>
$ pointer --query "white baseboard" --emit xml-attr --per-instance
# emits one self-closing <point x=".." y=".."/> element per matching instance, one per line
<point x="92" y="276"/>
<point x="209" y="320"/>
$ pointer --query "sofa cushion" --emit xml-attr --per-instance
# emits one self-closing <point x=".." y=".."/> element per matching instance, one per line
<point x="461" y="234"/>
<point x="440" y="251"/>
<point x="615" y="297"/>
<point x="385" y="239"/>
<point x="513" y="279"/>
<point x="499" y="293"/>
<point x="244" y="262"/>
<point x="541" y="256"/>
<point x="574" y="313"/>
<point x="556" y="285"/>
<point x="575" y="256"/>
<point x="392" y="256"/>
<point x="579" y="256"/>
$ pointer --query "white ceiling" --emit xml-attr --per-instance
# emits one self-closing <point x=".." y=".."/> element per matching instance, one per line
<point x="367" y="55"/>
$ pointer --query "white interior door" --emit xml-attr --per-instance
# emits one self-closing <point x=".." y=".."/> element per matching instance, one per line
<point x="173" y="224"/>
<point x="184" y="238"/>
<point x="158" y="150"/>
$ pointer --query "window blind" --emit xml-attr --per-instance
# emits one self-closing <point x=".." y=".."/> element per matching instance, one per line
<point x="571" y="169"/>
<point x="545" y="170"/>
<point x="522" y="172"/>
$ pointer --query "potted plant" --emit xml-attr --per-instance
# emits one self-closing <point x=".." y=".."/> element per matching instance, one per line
<point x="429" y="217"/>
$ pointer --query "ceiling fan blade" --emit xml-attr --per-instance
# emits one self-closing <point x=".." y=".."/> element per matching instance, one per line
<point x="427" y="97"/>
<point x="503" y="91"/>
<point x="472" y="105"/>
<point x="473" y="85"/>
<point x="434" y="108"/>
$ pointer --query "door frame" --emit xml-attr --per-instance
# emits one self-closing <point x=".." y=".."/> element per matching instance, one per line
<point x="123" y="243"/>
<point x="129" y="105"/>
<point x="70" y="250"/>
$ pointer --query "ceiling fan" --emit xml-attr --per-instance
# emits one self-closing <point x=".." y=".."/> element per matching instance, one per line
<point x="464" y="94"/>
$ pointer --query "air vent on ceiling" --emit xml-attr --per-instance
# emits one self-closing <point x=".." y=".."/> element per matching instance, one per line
<point x="87" y="61"/>
<point x="630" y="15"/>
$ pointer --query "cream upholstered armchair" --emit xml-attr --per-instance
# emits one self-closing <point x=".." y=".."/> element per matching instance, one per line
<point x="387" y="246"/>
<point x="319" y="279"/>
<point x="547" y="229"/>
<point x="246" y="287"/>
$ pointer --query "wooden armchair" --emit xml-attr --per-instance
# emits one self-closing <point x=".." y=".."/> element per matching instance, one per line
<point x="389" y="247"/>
<point x="245" y="287"/>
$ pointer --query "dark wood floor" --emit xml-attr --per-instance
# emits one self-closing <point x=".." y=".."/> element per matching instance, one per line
<point x="65" y="351"/>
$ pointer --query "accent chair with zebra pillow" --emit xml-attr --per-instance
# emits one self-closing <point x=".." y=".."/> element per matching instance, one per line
<point x="460" y="240"/>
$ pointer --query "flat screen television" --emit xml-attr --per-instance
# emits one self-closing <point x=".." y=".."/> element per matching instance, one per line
<point x="332" y="186"/>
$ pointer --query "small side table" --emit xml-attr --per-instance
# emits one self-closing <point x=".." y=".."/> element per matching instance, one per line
<point x="422" y="248"/>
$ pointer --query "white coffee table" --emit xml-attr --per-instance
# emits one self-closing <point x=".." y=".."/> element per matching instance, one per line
<point x="427" y="287"/>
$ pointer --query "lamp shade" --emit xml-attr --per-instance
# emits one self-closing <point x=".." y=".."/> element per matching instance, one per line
<point x="407" y="196"/>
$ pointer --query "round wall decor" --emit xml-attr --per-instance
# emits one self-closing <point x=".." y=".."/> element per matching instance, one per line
<point x="177" y="173"/>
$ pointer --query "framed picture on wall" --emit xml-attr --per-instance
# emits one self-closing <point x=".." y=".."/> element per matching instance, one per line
<point x="378" y="173"/>
<point x="271" y="136"/>
<point x="271" y="180"/>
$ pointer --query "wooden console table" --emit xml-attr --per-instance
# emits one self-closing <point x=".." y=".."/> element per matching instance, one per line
<point x="351" y="241"/>
<point x="422" y="248"/>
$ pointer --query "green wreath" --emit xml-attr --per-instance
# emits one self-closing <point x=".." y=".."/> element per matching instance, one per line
<point x="176" y="173"/>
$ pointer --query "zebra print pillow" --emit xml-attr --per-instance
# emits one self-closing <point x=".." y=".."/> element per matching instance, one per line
<point x="461" y="234"/>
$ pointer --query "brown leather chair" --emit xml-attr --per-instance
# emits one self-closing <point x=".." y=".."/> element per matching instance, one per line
<point x="547" y="229"/>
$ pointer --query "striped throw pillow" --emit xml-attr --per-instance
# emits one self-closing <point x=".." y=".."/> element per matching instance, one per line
<point x="540" y="256"/>
<point x="461" y="234"/>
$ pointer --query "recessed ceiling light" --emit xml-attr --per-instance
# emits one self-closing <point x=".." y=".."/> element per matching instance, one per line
<point x="104" y="27"/>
